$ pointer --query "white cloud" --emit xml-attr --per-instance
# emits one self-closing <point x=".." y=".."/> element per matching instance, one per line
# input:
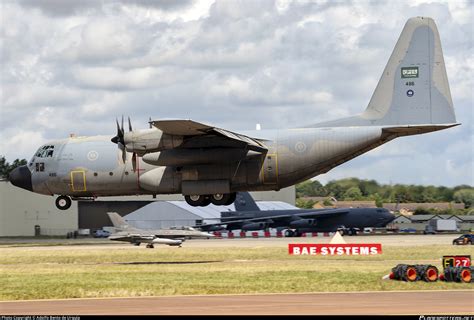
<point x="22" y="144"/>
<point x="231" y="63"/>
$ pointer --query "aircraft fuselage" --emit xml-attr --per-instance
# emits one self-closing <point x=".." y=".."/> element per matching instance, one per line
<point x="93" y="166"/>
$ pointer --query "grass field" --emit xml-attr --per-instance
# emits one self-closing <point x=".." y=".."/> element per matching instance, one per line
<point x="50" y="272"/>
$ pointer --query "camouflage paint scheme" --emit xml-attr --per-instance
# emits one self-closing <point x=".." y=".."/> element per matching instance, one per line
<point x="171" y="237"/>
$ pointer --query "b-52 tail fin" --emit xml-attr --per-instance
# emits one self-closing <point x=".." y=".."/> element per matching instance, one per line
<point x="245" y="202"/>
<point x="413" y="89"/>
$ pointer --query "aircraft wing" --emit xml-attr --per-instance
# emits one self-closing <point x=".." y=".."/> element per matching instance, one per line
<point x="195" y="131"/>
<point x="131" y="237"/>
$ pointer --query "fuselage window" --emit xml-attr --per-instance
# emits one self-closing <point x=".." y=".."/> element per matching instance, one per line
<point x="39" y="166"/>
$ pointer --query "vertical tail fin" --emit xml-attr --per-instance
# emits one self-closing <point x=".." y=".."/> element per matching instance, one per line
<point x="414" y="86"/>
<point x="245" y="202"/>
<point x="118" y="222"/>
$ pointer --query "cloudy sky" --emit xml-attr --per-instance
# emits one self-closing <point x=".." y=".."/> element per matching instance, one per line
<point x="74" y="66"/>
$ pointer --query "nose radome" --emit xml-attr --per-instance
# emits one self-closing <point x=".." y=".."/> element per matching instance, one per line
<point x="390" y="217"/>
<point x="21" y="177"/>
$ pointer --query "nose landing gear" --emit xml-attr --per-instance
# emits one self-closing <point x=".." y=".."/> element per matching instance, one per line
<point x="63" y="202"/>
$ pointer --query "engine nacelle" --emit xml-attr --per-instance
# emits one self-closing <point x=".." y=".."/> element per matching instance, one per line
<point x="183" y="157"/>
<point x="150" y="140"/>
<point x="302" y="223"/>
<point x="254" y="226"/>
<point x="159" y="180"/>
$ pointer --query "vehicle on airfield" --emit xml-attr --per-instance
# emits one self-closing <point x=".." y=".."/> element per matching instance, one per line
<point x="208" y="164"/>
<point x="101" y="234"/>
<point x="171" y="237"/>
<point x="440" y="225"/>
<point x="248" y="217"/>
<point x="464" y="239"/>
<point x="368" y="230"/>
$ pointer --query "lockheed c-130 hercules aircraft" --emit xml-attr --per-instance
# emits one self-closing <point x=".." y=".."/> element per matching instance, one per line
<point x="209" y="165"/>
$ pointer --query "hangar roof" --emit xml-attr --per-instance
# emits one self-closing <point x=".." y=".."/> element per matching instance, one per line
<point x="169" y="210"/>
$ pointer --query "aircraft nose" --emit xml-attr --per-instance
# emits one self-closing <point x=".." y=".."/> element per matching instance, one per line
<point x="208" y="235"/>
<point x="390" y="217"/>
<point x="21" y="177"/>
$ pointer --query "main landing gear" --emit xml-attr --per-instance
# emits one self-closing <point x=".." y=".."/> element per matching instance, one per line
<point x="63" y="202"/>
<point x="218" y="199"/>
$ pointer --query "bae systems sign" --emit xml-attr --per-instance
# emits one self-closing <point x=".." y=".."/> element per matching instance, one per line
<point x="366" y="249"/>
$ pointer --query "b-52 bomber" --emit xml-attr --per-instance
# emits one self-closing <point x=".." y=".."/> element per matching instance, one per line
<point x="208" y="164"/>
<point x="171" y="237"/>
<point x="248" y="217"/>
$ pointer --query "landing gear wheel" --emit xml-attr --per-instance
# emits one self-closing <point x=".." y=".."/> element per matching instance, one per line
<point x="150" y="246"/>
<point x="289" y="233"/>
<point x="197" y="200"/>
<point x="63" y="202"/>
<point x="232" y="197"/>
<point x="222" y="199"/>
<point x="206" y="202"/>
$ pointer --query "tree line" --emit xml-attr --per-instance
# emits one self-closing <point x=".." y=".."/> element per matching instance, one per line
<point x="357" y="189"/>
<point x="6" y="168"/>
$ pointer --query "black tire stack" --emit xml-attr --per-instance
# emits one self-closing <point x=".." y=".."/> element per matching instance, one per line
<point x="458" y="274"/>
<point x="427" y="272"/>
<point x="405" y="272"/>
<point x="411" y="273"/>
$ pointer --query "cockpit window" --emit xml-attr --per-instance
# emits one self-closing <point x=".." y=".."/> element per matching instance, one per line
<point x="45" y="152"/>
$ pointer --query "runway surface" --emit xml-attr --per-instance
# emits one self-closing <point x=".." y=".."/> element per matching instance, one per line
<point x="406" y="302"/>
<point x="87" y="244"/>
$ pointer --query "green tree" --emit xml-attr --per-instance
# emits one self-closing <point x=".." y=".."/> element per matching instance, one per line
<point x="378" y="200"/>
<point x="6" y="168"/>
<point x="465" y="196"/>
<point x="327" y="203"/>
<point x="400" y="194"/>
<point x="303" y="204"/>
<point x="353" y="193"/>
<point x="422" y="211"/>
<point x="368" y="187"/>
<point x="334" y="189"/>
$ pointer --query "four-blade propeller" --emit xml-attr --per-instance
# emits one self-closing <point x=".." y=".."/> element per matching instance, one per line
<point x="119" y="139"/>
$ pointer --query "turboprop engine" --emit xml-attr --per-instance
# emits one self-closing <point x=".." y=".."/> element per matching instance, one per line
<point x="144" y="141"/>
<point x="150" y="140"/>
